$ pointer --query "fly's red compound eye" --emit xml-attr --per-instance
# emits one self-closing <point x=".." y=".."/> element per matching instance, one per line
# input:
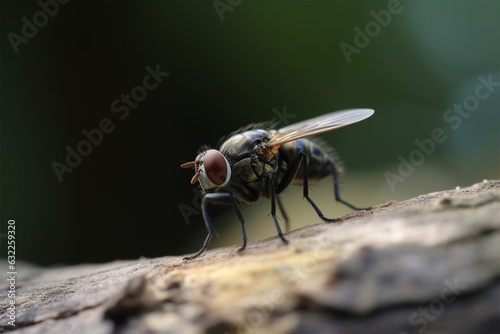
<point x="216" y="167"/>
<point x="211" y="169"/>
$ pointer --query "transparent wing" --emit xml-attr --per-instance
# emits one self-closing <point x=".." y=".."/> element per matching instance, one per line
<point x="320" y="124"/>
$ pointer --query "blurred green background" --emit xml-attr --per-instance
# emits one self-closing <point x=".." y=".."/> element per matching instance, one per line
<point x="123" y="200"/>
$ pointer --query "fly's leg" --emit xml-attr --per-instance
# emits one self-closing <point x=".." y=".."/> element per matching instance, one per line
<point x="290" y="173"/>
<point x="217" y="198"/>
<point x="306" y="188"/>
<point x="240" y="217"/>
<point x="270" y="184"/>
<point x="337" y="192"/>
<point x="220" y="198"/>
<point x="283" y="212"/>
<point x="293" y="167"/>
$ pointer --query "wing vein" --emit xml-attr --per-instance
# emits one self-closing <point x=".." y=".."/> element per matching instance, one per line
<point x="320" y="124"/>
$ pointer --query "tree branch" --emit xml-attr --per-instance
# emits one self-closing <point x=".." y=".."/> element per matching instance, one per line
<point x="428" y="263"/>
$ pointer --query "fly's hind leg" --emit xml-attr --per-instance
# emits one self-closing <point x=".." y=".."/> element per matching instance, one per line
<point x="337" y="192"/>
<point x="293" y="167"/>
<point x="306" y="189"/>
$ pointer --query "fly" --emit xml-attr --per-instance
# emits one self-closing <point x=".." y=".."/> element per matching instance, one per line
<point x="254" y="163"/>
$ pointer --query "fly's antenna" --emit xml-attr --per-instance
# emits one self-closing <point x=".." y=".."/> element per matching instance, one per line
<point x="196" y="171"/>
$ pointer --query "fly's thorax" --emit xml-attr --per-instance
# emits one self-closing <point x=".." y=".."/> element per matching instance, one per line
<point x="249" y="180"/>
<point x="249" y="169"/>
<point x="242" y="151"/>
<point x="252" y="168"/>
<point x="238" y="146"/>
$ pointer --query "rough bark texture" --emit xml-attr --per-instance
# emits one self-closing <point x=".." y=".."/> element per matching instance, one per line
<point x="429" y="264"/>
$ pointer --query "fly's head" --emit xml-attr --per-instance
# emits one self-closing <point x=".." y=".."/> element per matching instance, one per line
<point x="211" y="169"/>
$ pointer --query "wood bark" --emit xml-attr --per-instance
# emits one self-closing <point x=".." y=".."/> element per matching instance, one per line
<point x="430" y="264"/>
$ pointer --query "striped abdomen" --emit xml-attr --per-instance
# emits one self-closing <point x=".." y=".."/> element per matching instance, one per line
<point x="320" y="159"/>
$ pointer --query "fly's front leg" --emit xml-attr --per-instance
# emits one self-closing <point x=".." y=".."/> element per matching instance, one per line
<point x="216" y="198"/>
<point x="270" y="184"/>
